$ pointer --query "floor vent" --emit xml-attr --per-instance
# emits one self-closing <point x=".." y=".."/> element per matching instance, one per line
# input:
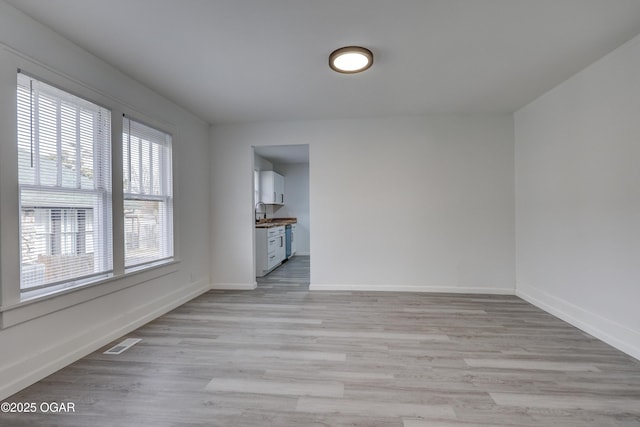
<point x="124" y="345"/>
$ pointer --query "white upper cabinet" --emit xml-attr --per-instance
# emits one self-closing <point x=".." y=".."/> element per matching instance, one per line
<point x="271" y="188"/>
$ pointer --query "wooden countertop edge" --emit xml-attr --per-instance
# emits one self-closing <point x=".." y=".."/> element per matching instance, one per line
<point x="278" y="223"/>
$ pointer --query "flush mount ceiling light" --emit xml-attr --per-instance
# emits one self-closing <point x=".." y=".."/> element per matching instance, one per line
<point x="350" y="59"/>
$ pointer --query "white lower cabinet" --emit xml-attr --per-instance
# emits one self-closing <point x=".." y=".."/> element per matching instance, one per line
<point x="270" y="249"/>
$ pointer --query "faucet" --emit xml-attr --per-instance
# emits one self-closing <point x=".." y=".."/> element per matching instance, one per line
<point x="265" y="210"/>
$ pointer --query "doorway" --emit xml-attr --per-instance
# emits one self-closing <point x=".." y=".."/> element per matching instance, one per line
<point x="281" y="211"/>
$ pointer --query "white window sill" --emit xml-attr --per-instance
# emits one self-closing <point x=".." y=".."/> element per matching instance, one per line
<point x="43" y="304"/>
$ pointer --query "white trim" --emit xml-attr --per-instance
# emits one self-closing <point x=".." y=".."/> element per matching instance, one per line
<point x="410" y="288"/>
<point x="40" y="365"/>
<point x="235" y="286"/>
<point x="26" y="310"/>
<point x="615" y="334"/>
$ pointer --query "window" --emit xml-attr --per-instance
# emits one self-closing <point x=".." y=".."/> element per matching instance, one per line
<point x="64" y="167"/>
<point x="147" y="187"/>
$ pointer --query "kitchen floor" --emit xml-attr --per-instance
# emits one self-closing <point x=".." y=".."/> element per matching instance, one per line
<point x="283" y="356"/>
<point x="293" y="274"/>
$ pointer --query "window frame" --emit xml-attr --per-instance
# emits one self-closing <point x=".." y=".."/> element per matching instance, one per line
<point x="14" y="307"/>
<point x="102" y="176"/>
<point x="167" y="240"/>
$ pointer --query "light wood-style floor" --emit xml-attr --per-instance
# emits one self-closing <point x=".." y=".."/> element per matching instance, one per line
<point x="284" y="356"/>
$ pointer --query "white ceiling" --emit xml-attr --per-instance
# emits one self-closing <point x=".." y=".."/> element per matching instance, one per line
<point x="256" y="60"/>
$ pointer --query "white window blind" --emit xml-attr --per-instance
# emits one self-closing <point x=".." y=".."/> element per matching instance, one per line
<point x="148" y="194"/>
<point x="64" y="166"/>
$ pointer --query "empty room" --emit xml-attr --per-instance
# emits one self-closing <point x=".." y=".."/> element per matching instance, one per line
<point x="399" y="213"/>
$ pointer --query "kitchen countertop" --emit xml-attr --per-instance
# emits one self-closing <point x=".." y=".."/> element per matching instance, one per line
<point x="275" y="222"/>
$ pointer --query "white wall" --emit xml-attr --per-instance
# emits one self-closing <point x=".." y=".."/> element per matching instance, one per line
<point x="296" y="187"/>
<point x="38" y="338"/>
<point x="578" y="199"/>
<point x="407" y="203"/>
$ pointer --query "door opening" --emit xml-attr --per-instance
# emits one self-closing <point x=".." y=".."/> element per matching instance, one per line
<point x="281" y="213"/>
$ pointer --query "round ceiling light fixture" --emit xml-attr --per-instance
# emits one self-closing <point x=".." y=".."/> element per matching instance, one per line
<point x="350" y="59"/>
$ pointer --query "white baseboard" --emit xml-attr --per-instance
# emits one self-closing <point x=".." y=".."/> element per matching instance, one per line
<point x="612" y="333"/>
<point x="234" y="286"/>
<point x="41" y="365"/>
<point x="410" y="288"/>
<point x="302" y="253"/>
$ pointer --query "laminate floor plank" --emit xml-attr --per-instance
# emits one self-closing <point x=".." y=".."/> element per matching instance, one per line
<point x="554" y="401"/>
<point x="283" y="356"/>
<point x="377" y="408"/>
<point x="528" y="364"/>
<point x="269" y="387"/>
